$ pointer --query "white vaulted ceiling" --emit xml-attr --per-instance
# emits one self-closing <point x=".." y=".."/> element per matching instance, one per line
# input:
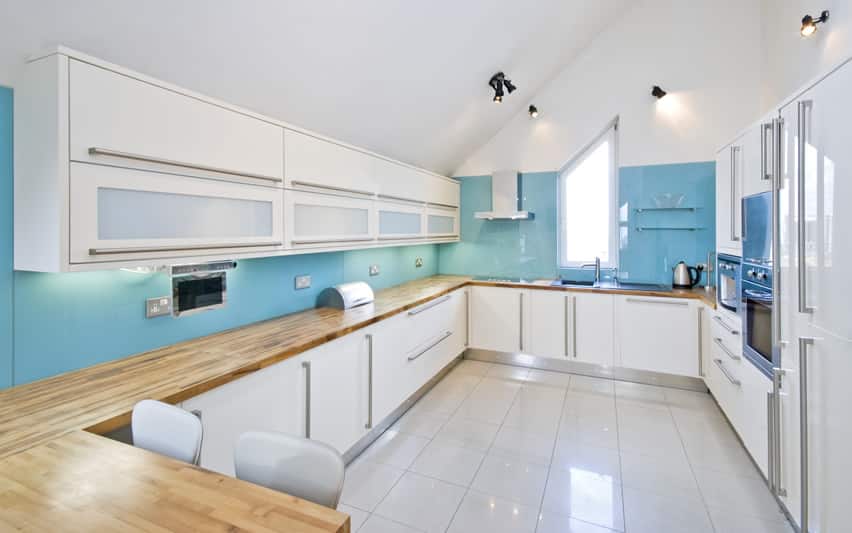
<point x="404" y="78"/>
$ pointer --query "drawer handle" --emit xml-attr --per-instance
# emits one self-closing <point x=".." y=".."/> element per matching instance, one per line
<point x="725" y="349"/>
<point x="732" y="379"/>
<point x="441" y="339"/>
<point x="307" y="366"/>
<point x="94" y="150"/>
<point x="728" y="328"/>
<point x="400" y="237"/>
<point x="401" y="199"/>
<point x="369" y="424"/>
<point x="655" y="301"/>
<point x="329" y="187"/>
<point x="429" y="305"/>
<point x="148" y="249"/>
<point x="331" y="241"/>
<point x="438" y="204"/>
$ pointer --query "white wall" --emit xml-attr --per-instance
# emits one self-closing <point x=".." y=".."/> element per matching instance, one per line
<point x="791" y="61"/>
<point x="706" y="53"/>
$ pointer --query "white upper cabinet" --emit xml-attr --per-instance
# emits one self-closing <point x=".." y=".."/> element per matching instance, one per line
<point x="321" y="220"/>
<point x="400" y="220"/>
<point x="729" y="165"/>
<point x="119" y="120"/>
<point x="399" y="182"/>
<point x="442" y="221"/>
<point x="310" y="162"/>
<point x="441" y="191"/>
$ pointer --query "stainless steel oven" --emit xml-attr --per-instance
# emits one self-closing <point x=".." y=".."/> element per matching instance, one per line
<point x="728" y="282"/>
<point x="757" y="282"/>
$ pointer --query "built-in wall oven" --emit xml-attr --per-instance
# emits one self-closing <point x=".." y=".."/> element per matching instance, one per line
<point x="757" y="283"/>
<point x="728" y="282"/>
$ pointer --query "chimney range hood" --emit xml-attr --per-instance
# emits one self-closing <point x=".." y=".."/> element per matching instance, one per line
<point x="506" y="198"/>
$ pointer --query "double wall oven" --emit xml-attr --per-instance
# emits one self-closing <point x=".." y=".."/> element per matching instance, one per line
<point x="756" y="293"/>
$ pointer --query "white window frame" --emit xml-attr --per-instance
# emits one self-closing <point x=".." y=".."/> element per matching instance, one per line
<point x="610" y="132"/>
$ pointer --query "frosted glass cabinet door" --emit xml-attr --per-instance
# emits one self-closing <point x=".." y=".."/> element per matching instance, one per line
<point x="442" y="222"/>
<point x="400" y="220"/>
<point x="121" y="214"/>
<point x="322" y="220"/>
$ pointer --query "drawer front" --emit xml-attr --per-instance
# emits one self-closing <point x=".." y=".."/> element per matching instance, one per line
<point x="726" y="334"/>
<point x="122" y="121"/>
<point x="754" y="424"/>
<point x="317" y="220"/>
<point x="122" y="214"/>
<point x="724" y="377"/>
<point x="313" y="162"/>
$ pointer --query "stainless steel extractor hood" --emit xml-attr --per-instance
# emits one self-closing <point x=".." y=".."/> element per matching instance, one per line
<point x="506" y="198"/>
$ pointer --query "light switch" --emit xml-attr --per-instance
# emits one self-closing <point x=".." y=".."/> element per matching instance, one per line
<point x="374" y="270"/>
<point x="303" y="282"/>
<point x="418" y="262"/>
<point x="159" y="306"/>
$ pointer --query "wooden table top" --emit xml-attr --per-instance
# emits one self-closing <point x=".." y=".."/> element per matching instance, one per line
<point x="82" y="482"/>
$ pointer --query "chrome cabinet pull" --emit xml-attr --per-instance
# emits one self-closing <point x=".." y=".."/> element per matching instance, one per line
<point x="725" y="325"/>
<point x="734" y="201"/>
<point x="307" y="366"/>
<point x="466" y="318"/>
<point x="369" y="424"/>
<point x="565" y="325"/>
<point x="770" y="440"/>
<point x="802" y="211"/>
<point x="95" y="150"/>
<point x="190" y="247"/>
<point x="700" y="343"/>
<point x="314" y="185"/>
<point x="657" y="301"/>
<point x="441" y="339"/>
<point x="574" y="324"/>
<point x="767" y="151"/>
<point x="521" y="322"/>
<point x="400" y="198"/>
<point x="804" y="343"/>
<point x="430" y="305"/>
<point x="331" y="241"/>
<point x="777" y="374"/>
<point x="732" y="379"/>
<point x="725" y="349"/>
<point x="776" y="233"/>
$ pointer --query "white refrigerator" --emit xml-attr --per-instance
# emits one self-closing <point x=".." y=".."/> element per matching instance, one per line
<point x="812" y="472"/>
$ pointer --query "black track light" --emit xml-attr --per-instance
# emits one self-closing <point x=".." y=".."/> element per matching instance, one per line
<point x="533" y="111"/>
<point x="497" y="82"/>
<point x="658" y="92"/>
<point x="809" y="24"/>
<point x="510" y="87"/>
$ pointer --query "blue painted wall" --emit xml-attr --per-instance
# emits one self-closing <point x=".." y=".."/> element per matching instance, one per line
<point x="53" y="323"/>
<point x="527" y="249"/>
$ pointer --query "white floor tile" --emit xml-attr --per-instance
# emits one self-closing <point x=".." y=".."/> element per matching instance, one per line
<point x="648" y="512"/>
<point x="641" y="393"/>
<point x="395" y="449"/>
<point x="536" y="409"/>
<point x="448" y="462"/>
<point x="728" y="522"/>
<point x="590" y="404"/>
<point x="739" y="494"/>
<point x="420" y="423"/>
<point x="708" y="453"/>
<point x="592" y="385"/>
<point x="490" y="401"/>
<point x="357" y="517"/>
<point x="585" y="496"/>
<point x="377" y="524"/>
<point x="469" y="434"/>
<point x="545" y="377"/>
<point x="515" y="443"/>
<point x="552" y="522"/>
<point x="667" y="475"/>
<point x="367" y="483"/>
<point x="604" y="462"/>
<point x="474" y="368"/>
<point x="691" y="400"/>
<point x="507" y="372"/>
<point x="511" y="479"/>
<point x="481" y="513"/>
<point x="589" y="430"/>
<point x="421" y="502"/>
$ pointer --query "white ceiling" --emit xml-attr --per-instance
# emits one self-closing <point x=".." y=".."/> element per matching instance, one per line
<point x="403" y="78"/>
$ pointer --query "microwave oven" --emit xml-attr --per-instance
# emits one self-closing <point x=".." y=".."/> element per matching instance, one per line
<point x="200" y="287"/>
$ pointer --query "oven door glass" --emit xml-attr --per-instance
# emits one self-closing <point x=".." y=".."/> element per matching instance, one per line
<point x="758" y="317"/>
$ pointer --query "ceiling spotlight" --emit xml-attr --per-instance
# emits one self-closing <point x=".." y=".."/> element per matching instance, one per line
<point x="510" y="87"/>
<point x="497" y="82"/>
<point x="533" y="111"/>
<point x="809" y="24"/>
<point x="658" y="92"/>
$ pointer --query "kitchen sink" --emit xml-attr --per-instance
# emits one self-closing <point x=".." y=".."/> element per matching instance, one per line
<point x="573" y="283"/>
<point x="612" y="284"/>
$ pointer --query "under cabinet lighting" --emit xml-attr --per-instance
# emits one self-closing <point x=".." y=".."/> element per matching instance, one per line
<point x="809" y="24"/>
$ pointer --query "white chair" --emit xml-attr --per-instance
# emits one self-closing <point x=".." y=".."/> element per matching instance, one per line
<point x="167" y="430"/>
<point x="300" y="467"/>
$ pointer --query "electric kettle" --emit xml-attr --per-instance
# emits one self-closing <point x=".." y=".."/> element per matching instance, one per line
<point x="682" y="277"/>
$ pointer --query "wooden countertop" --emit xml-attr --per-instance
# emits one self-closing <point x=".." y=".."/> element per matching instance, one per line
<point x="83" y="482"/>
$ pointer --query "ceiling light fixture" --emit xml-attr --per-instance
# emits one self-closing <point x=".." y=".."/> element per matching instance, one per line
<point x="658" y="92"/>
<point x="809" y="24"/>
<point x="497" y="82"/>
<point x="533" y="111"/>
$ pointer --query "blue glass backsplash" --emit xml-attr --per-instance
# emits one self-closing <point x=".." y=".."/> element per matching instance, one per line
<point x="527" y="249"/>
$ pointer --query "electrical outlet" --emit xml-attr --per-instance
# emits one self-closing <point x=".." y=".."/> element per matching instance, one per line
<point x="418" y="262"/>
<point x="374" y="270"/>
<point x="155" y="307"/>
<point x="303" y="282"/>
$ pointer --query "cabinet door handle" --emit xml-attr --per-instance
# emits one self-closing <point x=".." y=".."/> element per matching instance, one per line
<point x="734" y="201"/>
<point x="184" y="248"/>
<point x="802" y="209"/>
<point x="777" y="375"/>
<point x="521" y="322"/>
<point x="767" y="151"/>
<point x="369" y="424"/>
<point x="700" y="343"/>
<point x="776" y="230"/>
<point x="725" y="325"/>
<point x="307" y="366"/>
<point x="574" y="325"/>
<point x="565" y="324"/>
<point x="732" y="379"/>
<point x="95" y="150"/>
<point x="804" y="343"/>
<point x="331" y="240"/>
<point x="314" y="185"/>
<point x="770" y="441"/>
<point x="431" y="345"/>
<point x="466" y="318"/>
<point x="430" y="305"/>
<point x="725" y="349"/>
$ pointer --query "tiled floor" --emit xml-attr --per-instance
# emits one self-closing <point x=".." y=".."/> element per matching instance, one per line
<point x="498" y="449"/>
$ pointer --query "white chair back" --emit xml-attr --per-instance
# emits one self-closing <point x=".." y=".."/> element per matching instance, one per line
<point x="167" y="430"/>
<point x="300" y="467"/>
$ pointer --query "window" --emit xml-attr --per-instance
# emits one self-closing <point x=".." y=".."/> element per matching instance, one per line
<point x="587" y="205"/>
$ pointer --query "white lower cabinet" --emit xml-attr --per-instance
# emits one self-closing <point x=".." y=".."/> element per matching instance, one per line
<point x="658" y="334"/>
<point x="549" y="321"/>
<point x="271" y="399"/>
<point x="496" y="318"/>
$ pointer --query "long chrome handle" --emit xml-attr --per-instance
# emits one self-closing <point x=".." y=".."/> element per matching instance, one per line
<point x="770" y="441"/>
<point x="438" y="204"/>
<point x="777" y="375"/>
<point x="314" y="185"/>
<point x="574" y="325"/>
<point x="776" y="233"/>
<point x="331" y="241"/>
<point x="190" y="247"/>
<point x="734" y="200"/>
<point x="307" y="366"/>
<point x="725" y="325"/>
<point x="804" y="342"/>
<point x="441" y="339"/>
<point x="521" y="322"/>
<point x="732" y="379"/>
<point x="95" y="150"/>
<point x="400" y="237"/>
<point x="565" y="324"/>
<point x="725" y="349"/>
<point x="802" y="211"/>
<point x="700" y="343"/>
<point x="400" y="198"/>
<point x="369" y="424"/>
<point x="767" y="151"/>
<point x="430" y="305"/>
<point x="657" y="301"/>
<point x="466" y="318"/>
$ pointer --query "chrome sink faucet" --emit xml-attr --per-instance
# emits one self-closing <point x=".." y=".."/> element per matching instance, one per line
<point x="597" y="265"/>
